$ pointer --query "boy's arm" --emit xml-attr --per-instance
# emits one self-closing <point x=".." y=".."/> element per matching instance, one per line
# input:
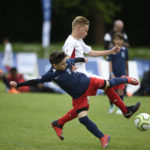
<point x="26" y="83"/>
<point x="45" y="78"/>
<point x="114" y="50"/>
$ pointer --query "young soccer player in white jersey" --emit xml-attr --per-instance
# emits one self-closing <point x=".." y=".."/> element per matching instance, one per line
<point x="75" y="47"/>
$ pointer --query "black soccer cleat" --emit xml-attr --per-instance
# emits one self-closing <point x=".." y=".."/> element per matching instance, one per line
<point x="58" y="129"/>
<point x="132" y="109"/>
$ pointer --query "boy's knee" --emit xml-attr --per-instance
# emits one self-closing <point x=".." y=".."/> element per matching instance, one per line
<point x="83" y="120"/>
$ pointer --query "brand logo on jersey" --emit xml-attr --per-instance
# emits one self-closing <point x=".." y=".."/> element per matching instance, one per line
<point x="57" y="77"/>
<point x="122" y="54"/>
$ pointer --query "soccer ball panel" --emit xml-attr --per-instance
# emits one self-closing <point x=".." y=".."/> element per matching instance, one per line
<point x="142" y="121"/>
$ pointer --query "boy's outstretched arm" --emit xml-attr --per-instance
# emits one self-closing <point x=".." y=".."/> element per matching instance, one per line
<point x="26" y="83"/>
<point x="114" y="50"/>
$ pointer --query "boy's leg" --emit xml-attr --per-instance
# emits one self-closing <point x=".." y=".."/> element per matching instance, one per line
<point x="91" y="126"/>
<point x="117" y="81"/>
<point x="67" y="117"/>
<point x="58" y="124"/>
<point x="128" y="111"/>
<point x="72" y="113"/>
<point x="81" y="102"/>
<point x="121" y="92"/>
<point x="115" y="99"/>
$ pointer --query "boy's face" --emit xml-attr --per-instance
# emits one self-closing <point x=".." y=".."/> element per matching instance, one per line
<point x="118" y="41"/>
<point x="62" y="65"/>
<point x="82" y="31"/>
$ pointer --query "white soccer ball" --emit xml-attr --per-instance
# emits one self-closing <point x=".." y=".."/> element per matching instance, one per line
<point x="142" y="121"/>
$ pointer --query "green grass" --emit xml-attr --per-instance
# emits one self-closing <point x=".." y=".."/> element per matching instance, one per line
<point x="134" y="52"/>
<point x="25" y="124"/>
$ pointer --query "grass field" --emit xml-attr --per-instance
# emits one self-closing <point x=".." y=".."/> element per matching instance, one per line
<point x="25" y="124"/>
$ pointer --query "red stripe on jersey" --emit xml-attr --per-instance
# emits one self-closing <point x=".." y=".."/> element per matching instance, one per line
<point x="73" y="53"/>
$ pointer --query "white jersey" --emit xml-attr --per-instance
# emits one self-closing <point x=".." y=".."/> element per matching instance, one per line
<point x="77" y="48"/>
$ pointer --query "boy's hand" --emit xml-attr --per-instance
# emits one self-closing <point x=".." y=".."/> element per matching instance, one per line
<point x="115" y="49"/>
<point x="13" y="84"/>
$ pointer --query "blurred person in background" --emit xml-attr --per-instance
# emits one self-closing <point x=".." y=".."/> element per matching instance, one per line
<point x="6" y="83"/>
<point x="15" y="76"/>
<point x="118" y="66"/>
<point x="118" y="27"/>
<point x="145" y="84"/>
<point x="8" y="54"/>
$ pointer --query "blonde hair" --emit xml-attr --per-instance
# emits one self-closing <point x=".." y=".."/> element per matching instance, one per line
<point x="81" y="21"/>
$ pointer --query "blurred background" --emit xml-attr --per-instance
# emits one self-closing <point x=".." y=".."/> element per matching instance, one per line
<point x="21" y="20"/>
<point x="41" y="26"/>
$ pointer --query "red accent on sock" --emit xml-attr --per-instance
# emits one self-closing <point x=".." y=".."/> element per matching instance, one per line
<point x="115" y="99"/>
<point x="67" y="117"/>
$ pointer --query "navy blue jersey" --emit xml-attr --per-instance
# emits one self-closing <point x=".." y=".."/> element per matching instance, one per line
<point x="74" y="83"/>
<point x="119" y="62"/>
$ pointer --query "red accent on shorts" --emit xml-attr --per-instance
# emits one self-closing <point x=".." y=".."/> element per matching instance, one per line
<point x="95" y="83"/>
<point x="73" y="54"/>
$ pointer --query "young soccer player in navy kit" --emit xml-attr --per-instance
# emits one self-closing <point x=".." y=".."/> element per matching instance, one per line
<point x="118" y="66"/>
<point x="79" y="86"/>
<point x="74" y="47"/>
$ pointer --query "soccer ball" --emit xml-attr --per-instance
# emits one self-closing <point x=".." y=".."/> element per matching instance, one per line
<point x="142" y="121"/>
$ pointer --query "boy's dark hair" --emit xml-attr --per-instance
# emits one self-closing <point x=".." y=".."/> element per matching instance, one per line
<point x="56" y="57"/>
<point x="118" y="35"/>
<point x="13" y="69"/>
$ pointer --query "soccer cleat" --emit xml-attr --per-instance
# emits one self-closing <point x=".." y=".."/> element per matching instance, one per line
<point x="132" y="109"/>
<point x="58" y="129"/>
<point x="132" y="81"/>
<point x="105" y="140"/>
<point x="111" y="109"/>
<point x="119" y="112"/>
<point x="13" y="91"/>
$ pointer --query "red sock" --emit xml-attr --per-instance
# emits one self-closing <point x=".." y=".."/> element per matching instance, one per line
<point x="67" y="117"/>
<point x="115" y="99"/>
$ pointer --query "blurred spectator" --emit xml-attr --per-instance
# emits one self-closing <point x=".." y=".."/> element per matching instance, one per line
<point x="118" y="66"/>
<point x="8" y="54"/>
<point x="118" y="27"/>
<point x="15" y="76"/>
<point x="6" y="83"/>
<point x="145" y="84"/>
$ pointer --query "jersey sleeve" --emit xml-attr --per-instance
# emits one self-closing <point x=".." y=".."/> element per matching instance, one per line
<point x="68" y="49"/>
<point x="86" y="48"/>
<point x="47" y="77"/>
